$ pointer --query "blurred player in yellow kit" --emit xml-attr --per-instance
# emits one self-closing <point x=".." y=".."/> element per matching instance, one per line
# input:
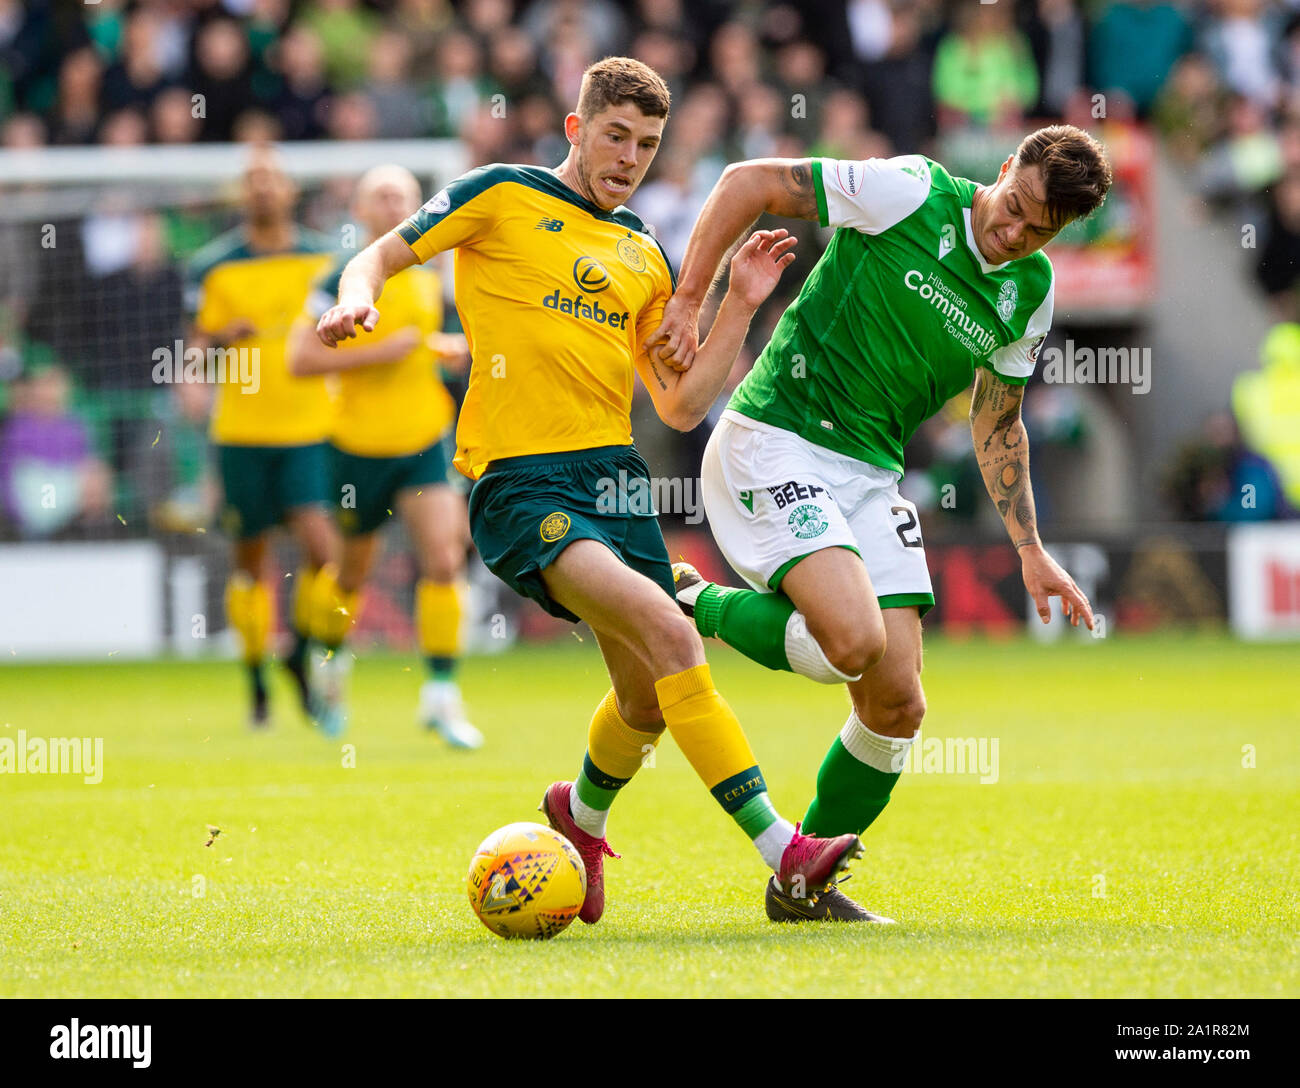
<point x="389" y="453"/>
<point x="244" y="290"/>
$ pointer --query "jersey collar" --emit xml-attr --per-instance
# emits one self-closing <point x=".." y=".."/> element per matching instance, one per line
<point x="574" y="197"/>
<point x="970" y="241"/>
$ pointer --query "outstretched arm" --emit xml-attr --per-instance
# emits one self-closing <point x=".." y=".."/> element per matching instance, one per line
<point x="307" y="355"/>
<point x="1002" y="450"/>
<point x="683" y="399"/>
<point x="744" y="192"/>
<point x="359" y="287"/>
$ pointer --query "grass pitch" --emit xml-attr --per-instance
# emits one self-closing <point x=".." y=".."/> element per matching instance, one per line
<point x="1128" y="847"/>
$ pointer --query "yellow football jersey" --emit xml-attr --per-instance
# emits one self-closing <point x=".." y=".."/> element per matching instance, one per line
<point x="398" y="408"/>
<point x="229" y="282"/>
<point x="557" y="298"/>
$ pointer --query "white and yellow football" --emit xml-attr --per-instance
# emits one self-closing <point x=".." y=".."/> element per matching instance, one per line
<point x="526" y="880"/>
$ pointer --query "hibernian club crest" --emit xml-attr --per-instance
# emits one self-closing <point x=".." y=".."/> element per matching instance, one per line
<point x="807" y="521"/>
<point x="1007" y="299"/>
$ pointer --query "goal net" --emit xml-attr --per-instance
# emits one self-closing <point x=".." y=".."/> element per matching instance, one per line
<point x="93" y="247"/>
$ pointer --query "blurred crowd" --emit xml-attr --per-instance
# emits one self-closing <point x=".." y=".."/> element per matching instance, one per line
<point x="1218" y="79"/>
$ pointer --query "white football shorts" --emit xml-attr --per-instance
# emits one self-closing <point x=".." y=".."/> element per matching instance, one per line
<point x="773" y="498"/>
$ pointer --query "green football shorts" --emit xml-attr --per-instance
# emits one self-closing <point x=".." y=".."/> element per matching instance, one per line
<point x="365" y="488"/>
<point x="263" y="483"/>
<point x="524" y="511"/>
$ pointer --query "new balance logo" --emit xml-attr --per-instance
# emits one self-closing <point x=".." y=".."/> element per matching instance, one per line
<point x="555" y="225"/>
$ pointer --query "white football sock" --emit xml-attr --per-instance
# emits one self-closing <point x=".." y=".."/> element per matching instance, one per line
<point x="591" y="820"/>
<point x="805" y="654"/>
<point x="885" y="754"/>
<point x="772" y="842"/>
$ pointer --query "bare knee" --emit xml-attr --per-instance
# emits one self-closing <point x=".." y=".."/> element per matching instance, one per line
<point x="640" y="709"/>
<point x="316" y="535"/>
<point x="853" y="648"/>
<point x="352" y="576"/>
<point x="440" y="564"/>
<point x="670" y="641"/>
<point x="250" y="556"/>
<point x="898" y="716"/>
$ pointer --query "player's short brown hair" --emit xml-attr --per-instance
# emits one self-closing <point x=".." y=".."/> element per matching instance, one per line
<point x="1076" y="175"/>
<point x="615" y="80"/>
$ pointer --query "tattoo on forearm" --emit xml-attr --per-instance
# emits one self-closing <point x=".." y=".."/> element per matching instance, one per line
<point x="1015" y="500"/>
<point x="658" y="377"/>
<point x="1004" y="457"/>
<point x="1004" y="399"/>
<point x="1005" y="429"/>
<point x="1008" y="480"/>
<point x="797" y="181"/>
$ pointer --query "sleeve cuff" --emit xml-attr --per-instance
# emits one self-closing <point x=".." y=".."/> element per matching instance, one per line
<point x="1010" y="379"/>
<point x="411" y="235"/>
<point x="823" y="216"/>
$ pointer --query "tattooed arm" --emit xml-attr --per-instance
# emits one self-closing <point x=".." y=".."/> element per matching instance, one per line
<point x="1002" y="450"/>
<point x="744" y="192"/>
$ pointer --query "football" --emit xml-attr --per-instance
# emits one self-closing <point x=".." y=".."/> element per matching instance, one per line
<point x="526" y="880"/>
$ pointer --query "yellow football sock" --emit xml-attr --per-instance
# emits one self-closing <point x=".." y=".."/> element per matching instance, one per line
<point x="615" y="752"/>
<point x="248" y="610"/>
<point x="304" y="582"/>
<point x="334" y="611"/>
<point x="617" y="749"/>
<point x="438" y="608"/>
<point x="710" y="737"/>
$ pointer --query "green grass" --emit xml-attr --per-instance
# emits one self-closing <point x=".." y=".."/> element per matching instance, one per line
<point x="1119" y="759"/>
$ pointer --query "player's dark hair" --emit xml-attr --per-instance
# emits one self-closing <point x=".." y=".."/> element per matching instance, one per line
<point x="1076" y="175"/>
<point x="615" y="80"/>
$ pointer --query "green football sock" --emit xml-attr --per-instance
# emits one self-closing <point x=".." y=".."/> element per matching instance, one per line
<point x="439" y="667"/>
<point x="855" y="781"/>
<point x="751" y="622"/>
<point x="297" y="657"/>
<point x="257" y="681"/>
<point x="593" y="794"/>
<point x="595" y="788"/>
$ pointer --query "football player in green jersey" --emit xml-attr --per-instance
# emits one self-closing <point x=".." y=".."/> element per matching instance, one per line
<point x="929" y="281"/>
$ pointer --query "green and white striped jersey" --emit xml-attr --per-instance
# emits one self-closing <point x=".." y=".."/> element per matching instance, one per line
<point x="897" y="314"/>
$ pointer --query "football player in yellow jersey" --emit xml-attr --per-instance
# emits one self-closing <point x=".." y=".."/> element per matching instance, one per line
<point x="560" y="290"/>
<point x="245" y="289"/>
<point x="389" y="447"/>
